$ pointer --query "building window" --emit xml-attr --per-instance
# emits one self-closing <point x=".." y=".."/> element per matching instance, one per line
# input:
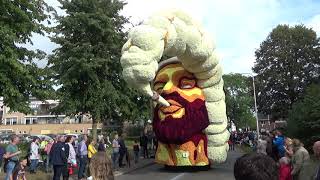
<point x="11" y="121"/>
<point x="30" y="120"/>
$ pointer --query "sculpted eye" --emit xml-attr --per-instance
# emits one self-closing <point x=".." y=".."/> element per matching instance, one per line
<point x="187" y="83"/>
<point x="158" y="86"/>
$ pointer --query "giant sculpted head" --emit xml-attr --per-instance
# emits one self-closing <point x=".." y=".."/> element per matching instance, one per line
<point x="189" y="116"/>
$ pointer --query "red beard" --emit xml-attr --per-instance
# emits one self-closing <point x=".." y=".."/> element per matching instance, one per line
<point x="180" y="130"/>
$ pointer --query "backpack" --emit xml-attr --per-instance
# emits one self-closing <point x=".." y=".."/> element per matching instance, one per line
<point x="78" y="152"/>
<point x="5" y="160"/>
<point x="29" y="150"/>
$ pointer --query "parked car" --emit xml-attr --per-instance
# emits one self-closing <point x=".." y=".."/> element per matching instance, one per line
<point x="40" y="136"/>
<point x="23" y="137"/>
<point x="76" y="136"/>
<point x="5" y="139"/>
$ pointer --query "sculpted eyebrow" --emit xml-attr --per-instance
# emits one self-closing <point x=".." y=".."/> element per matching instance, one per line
<point x="160" y="78"/>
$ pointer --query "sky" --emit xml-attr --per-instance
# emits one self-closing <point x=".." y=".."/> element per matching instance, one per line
<point x="238" y="26"/>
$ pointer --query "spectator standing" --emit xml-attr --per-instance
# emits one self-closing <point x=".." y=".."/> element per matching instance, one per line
<point x="155" y="141"/>
<point x="251" y="137"/>
<point x="34" y="155"/>
<point x="144" y="145"/>
<point x="100" y="137"/>
<point x="300" y="161"/>
<point x="100" y="167"/>
<point x="136" y="150"/>
<point x="316" y="150"/>
<point x="20" y="170"/>
<point x="231" y="142"/>
<point x="255" y="166"/>
<point x="2" y="152"/>
<point x="72" y="160"/>
<point x="47" y="150"/>
<point x="285" y="169"/>
<point x="279" y="143"/>
<point x="288" y="148"/>
<point x="42" y="145"/>
<point x="91" y="149"/>
<point x="122" y="150"/>
<point x="12" y="156"/>
<point x="58" y="157"/>
<point x="269" y="139"/>
<point x="102" y="145"/>
<point x="262" y="146"/>
<point x="115" y="150"/>
<point x="83" y="157"/>
<point x="108" y="142"/>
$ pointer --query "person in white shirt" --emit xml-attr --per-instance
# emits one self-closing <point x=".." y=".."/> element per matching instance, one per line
<point x="72" y="161"/>
<point x="34" y="155"/>
<point x="72" y="153"/>
<point x="108" y="142"/>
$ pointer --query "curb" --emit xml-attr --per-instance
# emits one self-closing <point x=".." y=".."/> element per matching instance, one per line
<point x="134" y="169"/>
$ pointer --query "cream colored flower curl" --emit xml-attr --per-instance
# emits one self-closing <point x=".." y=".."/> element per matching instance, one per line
<point x="174" y="33"/>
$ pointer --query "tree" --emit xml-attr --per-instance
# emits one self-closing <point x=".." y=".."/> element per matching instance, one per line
<point x="239" y="100"/>
<point x="304" y="118"/>
<point x="20" y="77"/>
<point x="286" y="63"/>
<point x="86" y="65"/>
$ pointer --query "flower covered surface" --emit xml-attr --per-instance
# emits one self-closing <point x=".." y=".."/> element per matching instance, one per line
<point x="174" y="33"/>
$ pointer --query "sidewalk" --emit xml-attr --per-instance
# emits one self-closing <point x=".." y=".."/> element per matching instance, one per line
<point x="141" y="164"/>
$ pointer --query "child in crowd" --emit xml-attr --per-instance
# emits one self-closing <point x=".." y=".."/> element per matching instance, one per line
<point x="20" y="170"/>
<point x="285" y="169"/>
<point x="136" y="150"/>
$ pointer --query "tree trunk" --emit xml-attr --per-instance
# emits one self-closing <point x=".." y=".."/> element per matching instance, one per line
<point x="94" y="128"/>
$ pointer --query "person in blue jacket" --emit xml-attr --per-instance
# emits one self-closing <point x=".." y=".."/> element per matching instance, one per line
<point x="279" y="141"/>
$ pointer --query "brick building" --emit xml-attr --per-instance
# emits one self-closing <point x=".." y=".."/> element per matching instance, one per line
<point x="266" y="124"/>
<point x="42" y="121"/>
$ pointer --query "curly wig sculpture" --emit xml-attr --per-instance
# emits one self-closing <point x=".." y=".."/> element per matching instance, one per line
<point x="174" y="33"/>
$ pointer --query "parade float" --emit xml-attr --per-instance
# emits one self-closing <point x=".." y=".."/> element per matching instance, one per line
<point x="189" y="120"/>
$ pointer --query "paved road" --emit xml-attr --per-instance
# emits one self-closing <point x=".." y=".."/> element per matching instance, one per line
<point x="157" y="172"/>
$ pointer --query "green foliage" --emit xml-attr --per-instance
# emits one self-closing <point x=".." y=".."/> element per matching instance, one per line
<point x="304" y="118"/>
<point x="86" y="65"/>
<point x="239" y="100"/>
<point x="134" y="131"/>
<point x="286" y="63"/>
<point x="20" y="77"/>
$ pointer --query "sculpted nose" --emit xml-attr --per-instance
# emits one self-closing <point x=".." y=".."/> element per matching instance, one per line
<point x="168" y="88"/>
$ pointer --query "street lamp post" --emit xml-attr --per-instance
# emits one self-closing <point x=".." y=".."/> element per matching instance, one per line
<point x="255" y="103"/>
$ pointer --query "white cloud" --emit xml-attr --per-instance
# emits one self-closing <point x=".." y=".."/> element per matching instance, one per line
<point x="239" y="26"/>
<point x="141" y="9"/>
<point x="314" y="23"/>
